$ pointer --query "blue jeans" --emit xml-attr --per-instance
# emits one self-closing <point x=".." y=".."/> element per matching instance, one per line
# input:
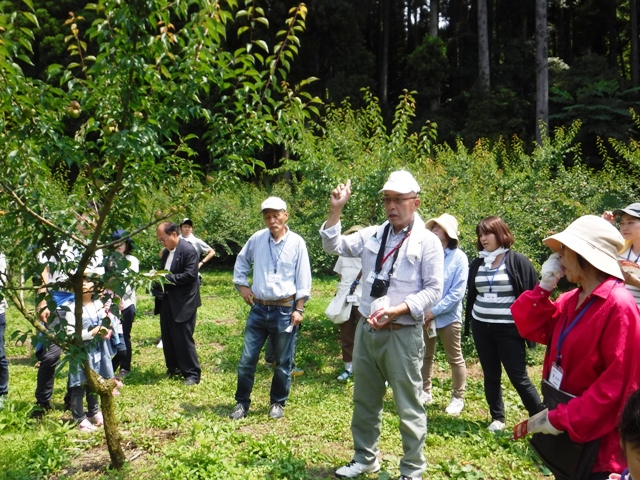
<point x="266" y="321"/>
<point x="4" y="363"/>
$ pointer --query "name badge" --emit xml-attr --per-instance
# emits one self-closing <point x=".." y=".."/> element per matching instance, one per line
<point x="97" y="357"/>
<point x="371" y="277"/>
<point x="352" y="298"/>
<point x="491" y="297"/>
<point x="274" y="278"/>
<point x="555" y="377"/>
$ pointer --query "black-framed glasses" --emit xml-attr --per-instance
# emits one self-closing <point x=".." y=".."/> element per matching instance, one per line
<point x="396" y="201"/>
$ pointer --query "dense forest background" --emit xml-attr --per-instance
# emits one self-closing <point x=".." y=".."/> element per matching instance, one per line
<point x="439" y="49"/>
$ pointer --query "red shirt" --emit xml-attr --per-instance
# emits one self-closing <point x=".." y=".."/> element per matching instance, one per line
<point x="600" y="360"/>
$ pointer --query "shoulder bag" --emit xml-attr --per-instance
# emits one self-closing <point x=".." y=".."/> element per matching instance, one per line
<point x="567" y="460"/>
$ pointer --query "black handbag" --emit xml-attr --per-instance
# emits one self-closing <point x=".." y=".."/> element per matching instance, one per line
<point x="567" y="460"/>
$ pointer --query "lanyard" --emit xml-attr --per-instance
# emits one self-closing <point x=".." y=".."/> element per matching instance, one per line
<point x="381" y="258"/>
<point x="629" y="255"/>
<point x="565" y="330"/>
<point x="494" y="273"/>
<point x="276" y="259"/>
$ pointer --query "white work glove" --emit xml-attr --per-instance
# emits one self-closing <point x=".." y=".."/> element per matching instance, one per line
<point x="551" y="272"/>
<point x="546" y="427"/>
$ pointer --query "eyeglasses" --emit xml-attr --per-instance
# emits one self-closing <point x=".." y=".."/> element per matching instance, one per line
<point x="162" y="240"/>
<point x="396" y="201"/>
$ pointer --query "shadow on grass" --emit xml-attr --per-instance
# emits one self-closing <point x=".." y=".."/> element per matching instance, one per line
<point x="144" y="377"/>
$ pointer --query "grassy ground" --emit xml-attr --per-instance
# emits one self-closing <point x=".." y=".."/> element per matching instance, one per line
<point x="171" y="431"/>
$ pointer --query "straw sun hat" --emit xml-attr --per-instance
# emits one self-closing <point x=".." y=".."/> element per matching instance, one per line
<point x="448" y="223"/>
<point x="593" y="238"/>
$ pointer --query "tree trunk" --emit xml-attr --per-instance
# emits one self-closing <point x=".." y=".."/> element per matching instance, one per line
<point x="434" y="18"/>
<point x="635" y="73"/>
<point x="384" y="55"/>
<point x="614" y="47"/>
<point x="104" y="388"/>
<point x="483" y="47"/>
<point x="542" y="71"/>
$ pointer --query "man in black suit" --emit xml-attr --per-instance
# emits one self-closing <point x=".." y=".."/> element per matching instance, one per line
<point x="179" y="304"/>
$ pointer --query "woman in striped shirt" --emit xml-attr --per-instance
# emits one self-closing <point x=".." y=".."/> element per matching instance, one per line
<point x="496" y="278"/>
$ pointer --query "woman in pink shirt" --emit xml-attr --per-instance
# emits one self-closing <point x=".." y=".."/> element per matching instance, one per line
<point x="592" y="335"/>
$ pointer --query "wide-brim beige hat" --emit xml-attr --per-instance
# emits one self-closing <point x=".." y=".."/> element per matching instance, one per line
<point x="448" y="223"/>
<point x="593" y="238"/>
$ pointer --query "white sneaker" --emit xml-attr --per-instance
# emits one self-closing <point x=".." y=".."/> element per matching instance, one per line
<point x="353" y="469"/>
<point x="426" y="398"/>
<point x="159" y="344"/>
<point x="86" y="426"/>
<point x="97" y="419"/>
<point x="496" y="426"/>
<point x="455" y="407"/>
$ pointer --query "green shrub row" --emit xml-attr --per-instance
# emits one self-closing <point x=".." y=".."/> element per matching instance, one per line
<point x="529" y="186"/>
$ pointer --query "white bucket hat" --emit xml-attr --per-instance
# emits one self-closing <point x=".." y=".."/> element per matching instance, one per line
<point x="593" y="238"/>
<point x="448" y="223"/>
<point x="401" y="181"/>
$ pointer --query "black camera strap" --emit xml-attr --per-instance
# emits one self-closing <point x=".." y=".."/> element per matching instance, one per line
<point x="380" y="259"/>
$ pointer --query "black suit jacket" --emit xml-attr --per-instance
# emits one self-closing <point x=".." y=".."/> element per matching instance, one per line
<point x="183" y="291"/>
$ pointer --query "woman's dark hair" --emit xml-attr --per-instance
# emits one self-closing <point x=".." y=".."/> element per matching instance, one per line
<point x="629" y="424"/>
<point x="582" y="262"/>
<point x="118" y="234"/>
<point x="496" y="226"/>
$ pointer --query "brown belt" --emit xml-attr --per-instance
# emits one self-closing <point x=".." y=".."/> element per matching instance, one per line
<point x="285" y="302"/>
<point x="394" y="326"/>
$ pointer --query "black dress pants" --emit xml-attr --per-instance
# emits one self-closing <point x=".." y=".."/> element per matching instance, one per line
<point x="49" y="358"/>
<point x="178" y="345"/>
<point x="122" y="359"/>
<point x="500" y="344"/>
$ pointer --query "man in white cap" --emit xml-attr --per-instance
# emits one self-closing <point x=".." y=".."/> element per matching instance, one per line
<point x="281" y="286"/>
<point x="402" y="278"/>
<point x="186" y="233"/>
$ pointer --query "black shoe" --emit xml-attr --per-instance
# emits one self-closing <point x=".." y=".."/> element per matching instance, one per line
<point x="190" y="381"/>
<point x="39" y="409"/>
<point x="171" y="374"/>
<point x="238" y="412"/>
<point x="122" y="374"/>
<point x="276" y="411"/>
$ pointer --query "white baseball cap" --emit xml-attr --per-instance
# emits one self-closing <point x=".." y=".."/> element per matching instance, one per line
<point x="273" y="203"/>
<point x="401" y="181"/>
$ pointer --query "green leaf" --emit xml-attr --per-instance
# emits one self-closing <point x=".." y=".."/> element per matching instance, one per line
<point x="32" y="18"/>
<point x="25" y="59"/>
<point x="263" y="44"/>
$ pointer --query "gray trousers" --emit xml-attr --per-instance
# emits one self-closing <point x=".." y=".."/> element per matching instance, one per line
<point x="394" y="356"/>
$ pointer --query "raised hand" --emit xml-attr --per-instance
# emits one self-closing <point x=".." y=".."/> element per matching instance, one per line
<point x="609" y="216"/>
<point x="552" y="271"/>
<point x="340" y="195"/>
